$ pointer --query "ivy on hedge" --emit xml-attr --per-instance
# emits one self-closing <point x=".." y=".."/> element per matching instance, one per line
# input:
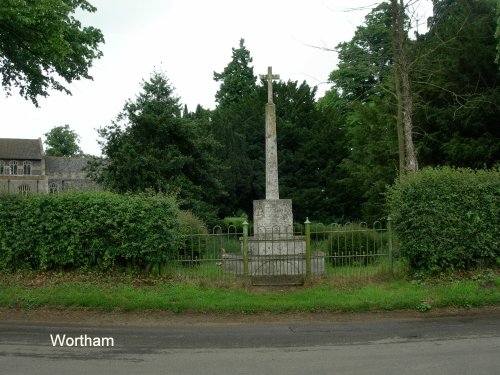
<point x="447" y="219"/>
<point x="87" y="230"/>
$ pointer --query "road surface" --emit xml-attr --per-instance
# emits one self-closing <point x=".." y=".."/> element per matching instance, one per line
<point x="415" y="345"/>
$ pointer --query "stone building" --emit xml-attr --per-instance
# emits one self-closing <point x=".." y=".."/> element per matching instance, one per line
<point x="25" y="169"/>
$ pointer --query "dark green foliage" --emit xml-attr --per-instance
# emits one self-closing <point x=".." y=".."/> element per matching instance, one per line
<point x="86" y="231"/>
<point x="62" y="141"/>
<point x="297" y="119"/>
<point x="239" y="129"/>
<point x="457" y="107"/>
<point x="237" y="125"/>
<point x="497" y="34"/>
<point x="456" y="96"/>
<point x="314" y="138"/>
<point x="447" y="219"/>
<point x="237" y="80"/>
<point x="41" y="41"/>
<point x="367" y="123"/>
<point x="328" y="195"/>
<point x="365" y="60"/>
<point x="152" y="147"/>
<point x="372" y="160"/>
<point x="310" y="145"/>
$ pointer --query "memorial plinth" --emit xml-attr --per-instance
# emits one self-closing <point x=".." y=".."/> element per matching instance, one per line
<point x="273" y="218"/>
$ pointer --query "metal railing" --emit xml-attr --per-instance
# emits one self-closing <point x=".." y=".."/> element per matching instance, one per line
<point x="354" y="249"/>
<point x="315" y="251"/>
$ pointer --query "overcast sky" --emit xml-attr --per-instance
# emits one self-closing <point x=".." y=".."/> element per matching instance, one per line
<point x="189" y="40"/>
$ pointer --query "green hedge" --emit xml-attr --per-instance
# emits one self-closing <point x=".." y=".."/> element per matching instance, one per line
<point x="86" y="230"/>
<point x="447" y="219"/>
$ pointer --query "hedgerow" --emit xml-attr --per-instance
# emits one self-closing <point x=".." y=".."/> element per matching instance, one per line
<point x="447" y="219"/>
<point x="86" y="230"/>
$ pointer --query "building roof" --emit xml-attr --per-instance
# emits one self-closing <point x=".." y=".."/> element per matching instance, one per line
<point x="14" y="148"/>
<point x="65" y="165"/>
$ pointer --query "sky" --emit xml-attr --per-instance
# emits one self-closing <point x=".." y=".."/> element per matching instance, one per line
<point x="189" y="40"/>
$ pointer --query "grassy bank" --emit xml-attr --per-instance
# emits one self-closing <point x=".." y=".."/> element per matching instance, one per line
<point x="108" y="294"/>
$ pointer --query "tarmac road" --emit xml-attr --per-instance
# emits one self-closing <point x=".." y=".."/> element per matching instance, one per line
<point x="427" y="345"/>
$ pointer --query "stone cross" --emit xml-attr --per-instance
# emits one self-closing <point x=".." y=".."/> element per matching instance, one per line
<point x="272" y="186"/>
<point x="269" y="78"/>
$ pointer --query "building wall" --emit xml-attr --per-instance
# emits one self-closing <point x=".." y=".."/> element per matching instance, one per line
<point x="68" y="174"/>
<point x="12" y="184"/>
<point x="71" y="184"/>
<point x="44" y="174"/>
<point x="37" y="167"/>
<point x="61" y="174"/>
<point x="32" y="183"/>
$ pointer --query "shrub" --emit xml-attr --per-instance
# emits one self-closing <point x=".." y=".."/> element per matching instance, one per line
<point x="353" y="243"/>
<point x="191" y="224"/>
<point x="193" y="236"/>
<point x="235" y="224"/>
<point x="86" y="230"/>
<point x="447" y="219"/>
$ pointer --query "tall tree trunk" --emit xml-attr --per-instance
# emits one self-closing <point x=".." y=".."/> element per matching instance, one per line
<point x="411" y="157"/>
<point x="399" y="121"/>
<point x="401" y="67"/>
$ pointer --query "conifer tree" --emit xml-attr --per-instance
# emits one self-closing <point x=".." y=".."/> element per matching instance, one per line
<point x="152" y="147"/>
<point x="237" y="80"/>
<point x="234" y="121"/>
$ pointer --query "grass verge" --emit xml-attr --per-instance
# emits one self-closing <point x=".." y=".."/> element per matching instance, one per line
<point x="108" y="294"/>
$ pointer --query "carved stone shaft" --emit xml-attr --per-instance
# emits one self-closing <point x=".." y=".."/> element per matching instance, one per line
<point x="272" y="186"/>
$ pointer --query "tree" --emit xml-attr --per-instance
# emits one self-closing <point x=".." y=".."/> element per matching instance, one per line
<point x="365" y="62"/>
<point x="364" y="93"/>
<point x="237" y="80"/>
<point x="452" y="94"/>
<point x="497" y="34"/>
<point x="62" y="141"/>
<point x="41" y="41"/>
<point x="301" y="167"/>
<point x="458" y="109"/>
<point x="311" y="145"/>
<point x="372" y="158"/>
<point x="376" y="63"/>
<point x="234" y="123"/>
<point x="366" y="70"/>
<point x="152" y="147"/>
<point x="402" y="67"/>
<point x="239" y="130"/>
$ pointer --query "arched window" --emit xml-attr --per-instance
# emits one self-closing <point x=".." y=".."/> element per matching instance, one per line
<point x="27" y="167"/>
<point x="53" y="188"/>
<point x="13" y="167"/>
<point x="24" y="189"/>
